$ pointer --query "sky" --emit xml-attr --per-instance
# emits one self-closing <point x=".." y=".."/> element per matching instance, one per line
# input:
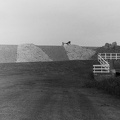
<point x="51" y="22"/>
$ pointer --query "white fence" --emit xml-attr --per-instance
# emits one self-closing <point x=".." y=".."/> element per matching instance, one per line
<point x="104" y="66"/>
<point x="110" y="56"/>
<point x="101" y="69"/>
<point x="102" y="61"/>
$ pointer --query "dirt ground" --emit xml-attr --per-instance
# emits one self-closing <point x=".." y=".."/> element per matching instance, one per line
<point x="54" y="96"/>
<point x="21" y="98"/>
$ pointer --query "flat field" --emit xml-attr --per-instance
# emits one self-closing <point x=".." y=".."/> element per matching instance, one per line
<point x="53" y="91"/>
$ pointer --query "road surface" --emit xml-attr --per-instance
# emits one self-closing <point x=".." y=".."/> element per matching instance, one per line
<point x="31" y="97"/>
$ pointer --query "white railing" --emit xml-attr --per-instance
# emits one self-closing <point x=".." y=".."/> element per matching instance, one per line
<point x="104" y="66"/>
<point x="110" y="56"/>
<point x="101" y="69"/>
<point x="102" y="61"/>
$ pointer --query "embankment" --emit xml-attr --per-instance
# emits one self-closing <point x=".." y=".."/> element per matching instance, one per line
<point x="35" y="53"/>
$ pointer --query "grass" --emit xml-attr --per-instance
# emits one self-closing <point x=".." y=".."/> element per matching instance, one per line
<point x="79" y="72"/>
<point x="76" y="66"/>
<point x="56" y="53"/>
<point x="76" y="72"/>
<point x="111" y="86"/>
<point x="8" y="53"/>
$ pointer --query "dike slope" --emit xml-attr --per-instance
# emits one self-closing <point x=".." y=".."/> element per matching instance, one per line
<point x="35" y="53"/>
<point x="31" y="53"/>
<point x="76" y="52"/>
<point x="56" y="53"/>
<point x="8" y="53"/>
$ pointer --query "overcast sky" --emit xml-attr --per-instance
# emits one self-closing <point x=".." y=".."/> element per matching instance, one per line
<point x="51" y="22"/>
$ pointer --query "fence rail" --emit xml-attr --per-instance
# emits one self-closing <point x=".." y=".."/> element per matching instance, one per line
<point x="102" y="61"/>
<point x="104" y="66"/>
<point x="101" y="69"/>
<point x="110" y="56"/>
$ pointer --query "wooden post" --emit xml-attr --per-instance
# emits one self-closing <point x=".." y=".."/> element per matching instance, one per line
<point x="112" y="70"/>
<point x="111" y="62"/>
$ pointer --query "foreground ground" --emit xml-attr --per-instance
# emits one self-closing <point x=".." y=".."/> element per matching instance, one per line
<point x="52" y="91"/>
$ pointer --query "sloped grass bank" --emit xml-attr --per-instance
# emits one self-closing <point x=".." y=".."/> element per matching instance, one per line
<point x="8" y="53"/>
<point x="111" y="85"/>
<point x="56" y="53"/>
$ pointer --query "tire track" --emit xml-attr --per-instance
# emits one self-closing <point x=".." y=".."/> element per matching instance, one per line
<point x="37" y="113"/>
<point x="86" y="107"/>
<point x="49" y="102"/>
<point x="53" y="110"/>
